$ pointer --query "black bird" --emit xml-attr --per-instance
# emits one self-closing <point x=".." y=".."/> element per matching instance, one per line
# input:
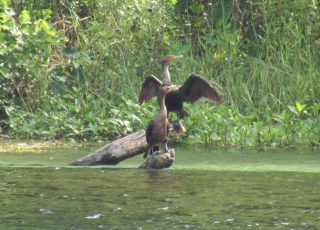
<point x="158" y="129"/>
<point x="193" y="89"/>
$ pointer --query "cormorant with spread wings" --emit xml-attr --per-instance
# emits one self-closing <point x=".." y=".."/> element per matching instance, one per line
<point x="193" y="89"/>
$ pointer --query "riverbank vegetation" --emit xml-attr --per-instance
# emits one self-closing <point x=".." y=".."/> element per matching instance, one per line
<point x="72" y="70"/>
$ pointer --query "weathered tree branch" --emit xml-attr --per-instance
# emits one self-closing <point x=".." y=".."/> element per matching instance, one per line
<point x="124" y="148"/>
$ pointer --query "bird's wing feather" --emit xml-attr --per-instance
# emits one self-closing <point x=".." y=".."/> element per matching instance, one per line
<point x="196" y="87"/>
<point x="149" y="89"/>
<point x="149" y="130"/>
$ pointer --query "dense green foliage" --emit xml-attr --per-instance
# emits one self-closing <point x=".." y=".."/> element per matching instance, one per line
<point x="73" y="69"/>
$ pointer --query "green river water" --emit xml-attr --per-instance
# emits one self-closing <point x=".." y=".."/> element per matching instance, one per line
<point x="204" y="189"/>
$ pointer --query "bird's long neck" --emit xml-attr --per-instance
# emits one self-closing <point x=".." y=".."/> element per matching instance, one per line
<point x="163" y="108"/>
<point x="166" y="75"/>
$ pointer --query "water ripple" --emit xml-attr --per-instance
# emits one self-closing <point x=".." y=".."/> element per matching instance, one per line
<point x="96" y="216"/>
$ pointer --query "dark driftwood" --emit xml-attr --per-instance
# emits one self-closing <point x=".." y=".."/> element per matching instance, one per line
<point x="123" y="148"/>
<point x="159" y="160"/>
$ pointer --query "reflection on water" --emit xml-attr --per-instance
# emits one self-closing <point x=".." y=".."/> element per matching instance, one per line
<point x="183" y="197"/>
<point x="188" y="157"/>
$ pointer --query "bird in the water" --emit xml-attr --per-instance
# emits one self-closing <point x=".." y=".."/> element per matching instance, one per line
<point x="158" y="129"/>
<point x="193" y="89"/>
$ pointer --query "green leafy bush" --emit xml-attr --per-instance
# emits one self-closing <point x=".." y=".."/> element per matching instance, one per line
<point x="25" y="52"/>
<point x="73" y="69"/>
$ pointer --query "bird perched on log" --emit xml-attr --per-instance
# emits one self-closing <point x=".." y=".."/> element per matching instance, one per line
<point x="158" y="129"/>
<point x="193" y="89"/>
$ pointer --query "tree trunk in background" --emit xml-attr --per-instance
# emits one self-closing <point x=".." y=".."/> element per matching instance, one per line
<point x="4" y="120"/>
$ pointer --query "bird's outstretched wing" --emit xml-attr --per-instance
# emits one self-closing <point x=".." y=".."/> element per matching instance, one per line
<point x="149" y="89"/>
<point x="196" y="87"/>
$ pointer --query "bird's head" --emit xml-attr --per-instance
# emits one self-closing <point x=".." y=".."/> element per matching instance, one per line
<point x="169" y="58"/>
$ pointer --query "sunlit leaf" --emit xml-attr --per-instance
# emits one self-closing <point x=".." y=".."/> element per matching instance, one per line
<point x="293" y="109"/>
<point x="24" y="17"/>
<point x="300" y="107"/>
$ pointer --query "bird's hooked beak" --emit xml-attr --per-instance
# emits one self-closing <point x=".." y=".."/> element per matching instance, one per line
<point x="170" y="58"/>
<point x="173" y="57"/>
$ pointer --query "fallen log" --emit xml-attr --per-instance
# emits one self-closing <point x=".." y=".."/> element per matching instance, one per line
<point x="159" y="160"/>
<point x="124" y="148"/>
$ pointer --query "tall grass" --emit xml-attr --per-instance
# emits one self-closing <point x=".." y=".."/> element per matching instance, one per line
<point x="266" y="58"/>
<point x="262" y="54"/>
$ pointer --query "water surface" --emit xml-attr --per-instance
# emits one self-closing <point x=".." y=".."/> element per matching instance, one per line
<point x="205" y="189"/>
